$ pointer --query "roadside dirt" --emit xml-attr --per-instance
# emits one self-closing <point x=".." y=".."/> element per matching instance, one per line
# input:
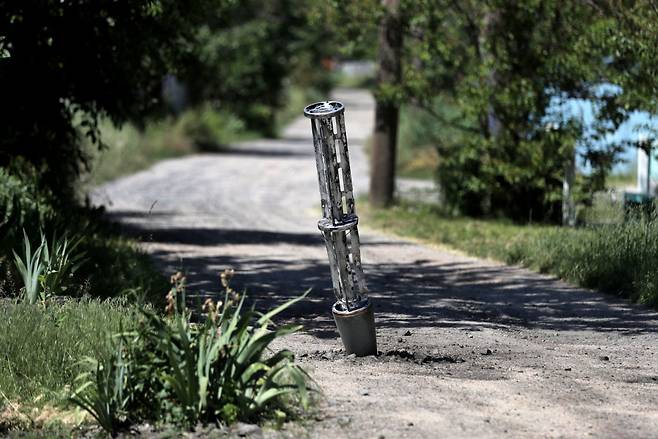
<point x="468" y="348"/>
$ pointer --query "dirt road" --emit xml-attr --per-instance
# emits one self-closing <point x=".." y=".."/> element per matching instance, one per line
<point x="470" y="348"/>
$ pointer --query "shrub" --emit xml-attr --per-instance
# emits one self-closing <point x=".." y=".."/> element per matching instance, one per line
<point x="210" y="129"/>
<point x="173" y="370"/>
<point x="23" y="204"/>
<point x="49" y="270"/>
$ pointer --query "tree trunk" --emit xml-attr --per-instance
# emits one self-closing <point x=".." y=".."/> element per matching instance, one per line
<point x="490" y="124"/>
<point x="382" y="179"/>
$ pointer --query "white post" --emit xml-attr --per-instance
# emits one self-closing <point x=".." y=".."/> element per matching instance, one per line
<point x="568" y="205"/>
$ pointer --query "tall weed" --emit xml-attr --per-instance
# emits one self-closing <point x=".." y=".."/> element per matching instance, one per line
<point x="30" y="267"/>
<point x="50" y="268"/>
<point x="171" y="370"/>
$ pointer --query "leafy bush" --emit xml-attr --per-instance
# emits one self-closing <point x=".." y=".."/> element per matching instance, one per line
<point x="210" y="129"/>
<point x="172" y="370"/>
<point x="23" y="204"/>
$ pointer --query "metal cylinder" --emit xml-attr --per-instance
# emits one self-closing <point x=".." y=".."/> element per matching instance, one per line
<point x="339" y="225"/>
<point x="357" y="330"/>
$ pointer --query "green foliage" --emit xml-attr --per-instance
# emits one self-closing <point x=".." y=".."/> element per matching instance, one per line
<point x="501" y="66"/>
<point x="490" y="76"/>
<point x="209" y="129"/>
<point x="158" y="140"/>
<point x="196" y="129"/>
<point x="103" y="395"/>
<point x="68" y="69"/>
<point x="245" y="51"/>
<point x="349" y="28"/>
<point x="614" y="258"/>
<point x="113" y="266"/>
<point x="41" y="346"/>
<point x="202" y="128"/>
<point x="68" y="60"/>
<point x="50" y="269"/>
<point x="22" y="203"/>
<point x="172" y="370"/>
<point x="419" y="135"/>
<point x="61" y="259"/>
<point x="30" y="267"/>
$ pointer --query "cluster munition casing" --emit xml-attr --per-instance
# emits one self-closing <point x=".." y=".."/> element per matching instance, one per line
<point x="339" y="226"/>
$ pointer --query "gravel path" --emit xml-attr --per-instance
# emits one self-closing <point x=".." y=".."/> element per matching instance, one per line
<point x="470" y="348"/>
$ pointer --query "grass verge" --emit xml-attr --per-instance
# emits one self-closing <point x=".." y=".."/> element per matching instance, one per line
<point x="41" y="345"/>
<point x="615" y="258"/>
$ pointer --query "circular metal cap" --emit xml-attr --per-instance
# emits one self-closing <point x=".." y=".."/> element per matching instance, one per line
<point x="323" y="109"/>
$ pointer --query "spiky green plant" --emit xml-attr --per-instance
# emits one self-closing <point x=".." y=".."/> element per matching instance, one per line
<point x="61" y="259"/>
<point x="178" y="371"/>
<point x="104" y="393"/>
<point x="50" y="269"/>
<point x="30" y="267"/>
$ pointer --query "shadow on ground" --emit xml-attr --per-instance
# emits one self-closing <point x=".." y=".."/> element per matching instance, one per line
<point x="412" y="294"/>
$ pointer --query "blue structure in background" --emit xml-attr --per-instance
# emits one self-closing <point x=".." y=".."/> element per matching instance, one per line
<point x="640" y="124"/>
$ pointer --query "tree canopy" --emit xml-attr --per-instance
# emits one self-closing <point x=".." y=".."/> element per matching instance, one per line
<point x="495" y="76"/>
<point x="65" y="64"/>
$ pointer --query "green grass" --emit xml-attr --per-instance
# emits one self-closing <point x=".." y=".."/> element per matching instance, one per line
<point x="354" y="81"/>
<point x="607" y="208"/>
<point x="483" y="238"/>
<point x="614" y="258"/>
<point x="624" y="177"/>
<point x="201" y="129"/>
<point x="622" y="180"/>
<point x="130" y="149"/>
<point x="42" y="345"/>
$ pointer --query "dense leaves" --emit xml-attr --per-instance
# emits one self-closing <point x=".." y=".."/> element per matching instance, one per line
<point x="500" y="79"/>
<point x="246" y="51"/>
<point x="64" y="62"/>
